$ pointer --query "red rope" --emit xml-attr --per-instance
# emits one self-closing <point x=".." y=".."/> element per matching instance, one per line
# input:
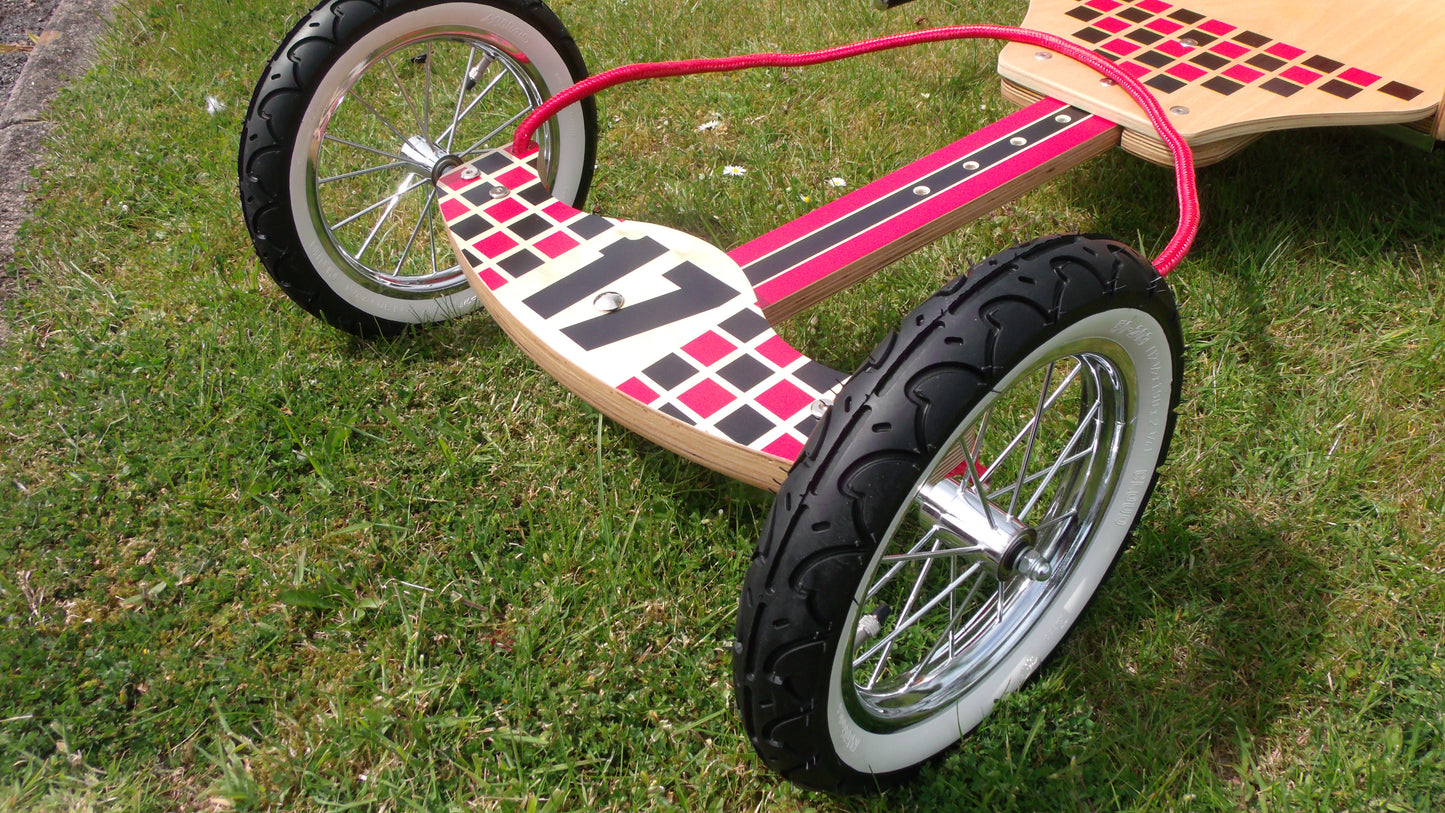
<point x="1170" y="257"/>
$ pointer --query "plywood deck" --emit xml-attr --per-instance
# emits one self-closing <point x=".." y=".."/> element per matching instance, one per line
<point x="1232" y="69"/>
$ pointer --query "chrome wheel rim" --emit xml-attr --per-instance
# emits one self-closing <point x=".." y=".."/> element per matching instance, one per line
<point x="409" y="109"/>
<point x="991" y="535"/>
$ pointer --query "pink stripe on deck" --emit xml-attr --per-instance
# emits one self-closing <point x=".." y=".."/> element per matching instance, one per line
<point x="884" y="234"/>
<point x="853" y="201"/>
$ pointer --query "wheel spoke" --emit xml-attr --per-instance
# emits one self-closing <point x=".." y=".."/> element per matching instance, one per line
<point x="451" y="131"/>
<point x="431" y="236"/>
<point x="1038" y="421"/>
<point x="972" y="464"/>
<point x="893" y="571"/>
<point x="982" y="430"/>
<point x="426" y="96"/>
<point x="1028" y="427"/>
<point x="461" y="95"/>
<point x="1006" y="490"/>
<point x="368" y="171"/>
<point x="1088" y="421"/>
<point x="1067" y="515"/>
<point x="912" y="597"/>
<point x="384" y="122"/>
<point x="477" y="145"/>
<point x="390" y="207"/>
<point x="468" y="82"/>
<point x="382" y="153"/>
<point x="949" y="636"/>
<point x="957" y="460"/>
<point x="910" y="620"/>
<point x="952" y="612"/>
<point x="389" y="198"/>
<point x="932" y="554"/>
<point x="401" y="88"/>
<point x="998" y="602"/>
<point x="406" y="252"/>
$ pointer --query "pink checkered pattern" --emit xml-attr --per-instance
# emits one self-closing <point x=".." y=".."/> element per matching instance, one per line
<point x="757" y="391"/>
<point x="508" y="236"/>
<point x="1169" y="46"/>
<point x="738" y="380"/>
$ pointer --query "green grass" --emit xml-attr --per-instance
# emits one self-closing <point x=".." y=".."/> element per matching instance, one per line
<point x="249" y="563"/>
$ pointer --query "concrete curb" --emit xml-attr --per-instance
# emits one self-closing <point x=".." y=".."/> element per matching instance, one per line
<point x="64" y="52"/>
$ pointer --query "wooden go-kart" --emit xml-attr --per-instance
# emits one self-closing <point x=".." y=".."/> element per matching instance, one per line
<point x="944" y="512"/>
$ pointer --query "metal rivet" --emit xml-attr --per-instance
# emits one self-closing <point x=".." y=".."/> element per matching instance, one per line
<point x="1018" y="141"/>
<point x="1106" y="82"/>
<point x="1063" y="119"/>
<point x="970" y="165"/>
<point x="1189" y="42"/>
<point x="499" y="191"/>
<point x="608" y="301"/>
<point x="921" y="190"/>
<point x="821" y="406"/>
<point x="1179" y="111"/>
<point x="1042" y="55"/>
<point x="470" y="173"/>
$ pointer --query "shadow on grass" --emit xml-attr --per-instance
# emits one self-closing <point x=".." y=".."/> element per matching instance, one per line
<point x="1329" y="191"/>
<point x="1195" y="647"/>
<point x="1203" y="648"/>
<point x="1201" y="645"/>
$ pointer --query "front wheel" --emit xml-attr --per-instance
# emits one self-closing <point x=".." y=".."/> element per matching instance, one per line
<point x="362" y="108"/>
<point x="965" y="495"/>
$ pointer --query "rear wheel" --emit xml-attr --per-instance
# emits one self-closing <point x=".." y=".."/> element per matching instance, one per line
<point x="362" y="108"/>
<point x="965" y="496"/>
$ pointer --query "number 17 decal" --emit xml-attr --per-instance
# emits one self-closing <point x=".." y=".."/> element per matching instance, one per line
<point x="697" y="292"/>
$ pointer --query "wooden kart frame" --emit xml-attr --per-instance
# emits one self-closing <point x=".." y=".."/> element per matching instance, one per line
<point x="1224" y="82"/>
<point x="675" y="338"/>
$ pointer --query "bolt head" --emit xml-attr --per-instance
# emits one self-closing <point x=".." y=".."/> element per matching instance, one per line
<point x="1031" y="565"/>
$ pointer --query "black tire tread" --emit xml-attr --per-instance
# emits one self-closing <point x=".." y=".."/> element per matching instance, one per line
<point x="862" y="460"/>
<point x="278" y="104"/>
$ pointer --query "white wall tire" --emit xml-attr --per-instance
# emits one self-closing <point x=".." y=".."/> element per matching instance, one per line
<point x="358" y="108"/>
<point x="883" y="511"/>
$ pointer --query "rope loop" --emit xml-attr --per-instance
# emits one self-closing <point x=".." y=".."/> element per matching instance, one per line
<point x="1188" y="193"/>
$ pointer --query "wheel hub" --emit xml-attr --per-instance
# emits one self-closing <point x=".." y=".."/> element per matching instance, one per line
<point x="421" y="152"/>
<point x="428" y="157"/>
<point x="985" y="533"/>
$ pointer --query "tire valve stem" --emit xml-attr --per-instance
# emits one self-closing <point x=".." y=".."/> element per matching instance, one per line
<point x="476" y="74"/>
<point x="871" y="624"/>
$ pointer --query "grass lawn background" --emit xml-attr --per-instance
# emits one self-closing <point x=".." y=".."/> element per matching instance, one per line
<point x="247" y="562"/>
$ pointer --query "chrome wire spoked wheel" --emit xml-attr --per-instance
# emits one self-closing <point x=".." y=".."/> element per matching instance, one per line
<point x="362" y="108"/>
<point x="992" y="535"/>
<point x="959" y="504"/>
<point x="411" y="109"/>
